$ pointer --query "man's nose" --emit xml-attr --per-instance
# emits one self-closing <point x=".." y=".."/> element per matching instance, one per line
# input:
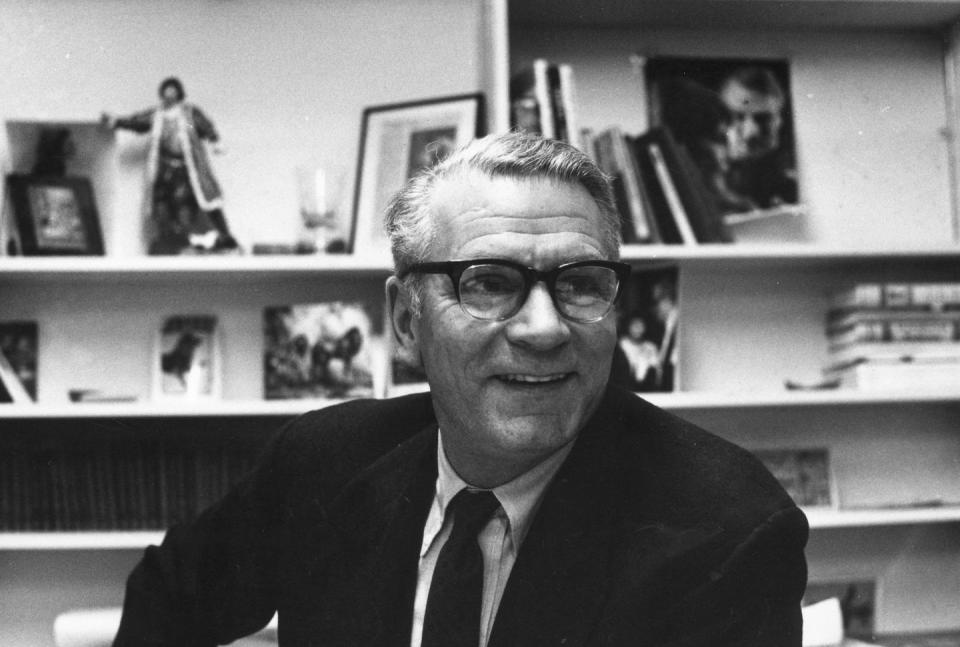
<point x="538" y="324"/>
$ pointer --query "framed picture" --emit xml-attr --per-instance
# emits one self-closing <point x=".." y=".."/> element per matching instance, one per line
<point x="187" y="362"/>
<point x="318" y="350"/>
<point x="648" y="322"/>
<point x="55" y="215"/>
<point x="804" y="473"/>
<point x="398" y="140"/>
<point x="18" y="361"/>
<point x="733" y="118"/>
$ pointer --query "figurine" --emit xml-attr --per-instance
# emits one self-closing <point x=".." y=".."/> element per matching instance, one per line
<point x="182" y="195"/>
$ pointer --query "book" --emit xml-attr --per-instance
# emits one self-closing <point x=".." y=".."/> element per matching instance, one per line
<point x="568" y="99"/>
<point x="615" y="158"/>
<point x="524" y="106"/>
<point x="693" y="210"/>
<point x="931" y="296"/>
<point x="648" y="321"/>
<point x="667" y="209"/>
<point x="318" y="350"/>
<point x="905" y="351"/>
<point x="544" y="96"/>
<point x="18" y="361"/>
<point x="898" y="375"/>
<point x="891" y="327"/>
<point x="187" y="360"/>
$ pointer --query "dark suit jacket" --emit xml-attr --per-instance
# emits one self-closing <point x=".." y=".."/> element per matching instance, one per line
<point x="653" y="532"/>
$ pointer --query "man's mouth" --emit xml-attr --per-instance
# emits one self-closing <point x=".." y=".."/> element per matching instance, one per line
<point x="535" y="380"/>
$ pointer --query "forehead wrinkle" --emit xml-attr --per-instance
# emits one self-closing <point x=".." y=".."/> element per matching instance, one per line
<point x="519" y="248"/>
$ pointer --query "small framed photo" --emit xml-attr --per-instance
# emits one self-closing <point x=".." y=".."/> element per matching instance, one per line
<point x="319" y="350"/>
<point x="804" y="473"/>
<point x="55" y="215"/>
<point x="187" y="362"/>
<point x="648" y="327"/>
<point x="398" y="140"/>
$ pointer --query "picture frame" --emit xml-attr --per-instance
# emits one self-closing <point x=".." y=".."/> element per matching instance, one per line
<point x="322" y="350"/>
<point x="396" y="141"/>
<point x="55" y="215"/>
<point x="648" y="330"/>
<point x="733" y="118"/>
<point x="187" y="361"/>
<point x="805" y="473"/>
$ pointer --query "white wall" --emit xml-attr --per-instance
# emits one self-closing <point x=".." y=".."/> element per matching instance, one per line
<point x="285" y="82"/>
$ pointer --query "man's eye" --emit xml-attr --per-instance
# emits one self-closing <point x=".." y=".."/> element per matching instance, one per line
<point x="489" y="284"/>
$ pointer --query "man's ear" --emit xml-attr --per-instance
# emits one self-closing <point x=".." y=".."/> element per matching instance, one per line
<point x="400" y="318"/>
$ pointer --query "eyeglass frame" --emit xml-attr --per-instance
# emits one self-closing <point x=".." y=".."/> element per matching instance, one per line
<point x="531" y="276"/>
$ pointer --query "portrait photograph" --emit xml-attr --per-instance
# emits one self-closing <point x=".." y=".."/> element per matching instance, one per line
<point x="187" y="363"/>
<point x="648" y="319"/>
<point x="55" y="215"/>
<point x="317" y="350"/>
<point x="734" y="118"/>
<point x="398" y="140"/>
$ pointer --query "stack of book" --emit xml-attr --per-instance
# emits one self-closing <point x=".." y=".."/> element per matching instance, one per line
<point x="895" y="336"/>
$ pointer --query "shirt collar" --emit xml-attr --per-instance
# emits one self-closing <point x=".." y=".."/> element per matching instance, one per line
<point x="519" y="498"/>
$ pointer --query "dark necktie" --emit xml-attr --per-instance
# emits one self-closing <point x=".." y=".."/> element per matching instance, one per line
<point x="452" y="618"/>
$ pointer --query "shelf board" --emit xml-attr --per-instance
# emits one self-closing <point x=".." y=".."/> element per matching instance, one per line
<point x="923" y="15"/>
<point x="780" y="255"/>
<point x="98" y="268"/>
<point x="288" y="408"/>
<point x="80" y="540"/>
<point x="826" y="519"/>
<point x="782" y="398"/>
<point x="198" y="409"/>
<point x="139" y="268"/>
<point x="137" y="540"/>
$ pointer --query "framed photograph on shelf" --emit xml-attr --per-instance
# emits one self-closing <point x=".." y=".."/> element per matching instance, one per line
<point x="398" y="140"/>
<point x="187" y="361"/>
<point x="804" y="473"/>
<point x="318" y="350"/>
<point x="55" y="215"/>
<point x="733" y="119"/>
<point x="648" y="322"/>
<point x="18" y="361"/>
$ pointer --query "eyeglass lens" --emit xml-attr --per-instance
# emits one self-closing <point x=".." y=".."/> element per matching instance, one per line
<point x="495" y="292"/>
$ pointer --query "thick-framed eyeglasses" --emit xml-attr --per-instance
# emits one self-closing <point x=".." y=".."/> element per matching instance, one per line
<point x="494" y="289"/>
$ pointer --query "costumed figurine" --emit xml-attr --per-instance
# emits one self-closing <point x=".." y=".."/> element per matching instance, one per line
<point x="182" y="196"/>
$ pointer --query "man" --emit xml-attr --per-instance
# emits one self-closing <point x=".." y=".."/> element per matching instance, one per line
<point x="760" y="167"/>
<point x="611" y="522"/>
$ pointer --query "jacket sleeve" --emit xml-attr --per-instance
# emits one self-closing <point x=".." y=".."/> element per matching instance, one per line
<point x="139" y="122"/>
<point x="214" y="580"/>
<point x="753" y="599"/>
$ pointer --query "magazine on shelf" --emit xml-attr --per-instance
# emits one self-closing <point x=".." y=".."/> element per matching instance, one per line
<point x="937" y="374"/>
<point x="318" y="350"/>
<point x="733" y="117"/>
<point x="614" y="155"/>
<point x="18" y="361"/>
<point x="187" y="363"/>
<point x="648" y="321"/>
<point x="804" y="473"/>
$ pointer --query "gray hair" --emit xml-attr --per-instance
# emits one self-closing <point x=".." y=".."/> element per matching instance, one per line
<point x="409" y="222"/>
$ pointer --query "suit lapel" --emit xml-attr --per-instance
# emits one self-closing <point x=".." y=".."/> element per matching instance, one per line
<point x="558" y="582"/>
<point x="378" y="522"/>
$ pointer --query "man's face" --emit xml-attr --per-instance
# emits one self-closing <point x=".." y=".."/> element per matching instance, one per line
<point x="170" y="96"/>
<point x="756" y="121"/>
<point x="511" y="392"/>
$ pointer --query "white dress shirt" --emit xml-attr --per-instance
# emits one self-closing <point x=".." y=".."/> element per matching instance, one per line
<point x="500" y="539"/>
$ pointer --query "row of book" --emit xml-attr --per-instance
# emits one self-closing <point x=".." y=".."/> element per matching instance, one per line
<point x="895" y="335"/>
<point x="659" y="191"/>
<point x="149" y="486"/>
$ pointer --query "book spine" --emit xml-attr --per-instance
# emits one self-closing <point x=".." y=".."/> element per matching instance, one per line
<point x="543" y="95"/>
<point x="677" y="209"/>
<point x="568" y="92"/>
